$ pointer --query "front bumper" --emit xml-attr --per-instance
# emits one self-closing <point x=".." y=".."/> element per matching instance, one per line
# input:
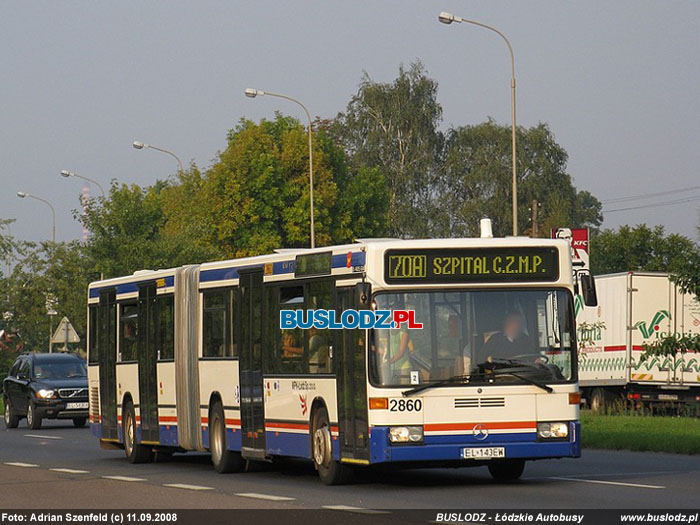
<point x="449" y="449"/>
<point x="56" y="409"/>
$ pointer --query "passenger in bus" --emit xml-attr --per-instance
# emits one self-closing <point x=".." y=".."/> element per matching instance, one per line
<point x="290" y="344"/>
<point x="511" y="341"/>
<point x="399" y="358"/>
<point x="319" y="352"/>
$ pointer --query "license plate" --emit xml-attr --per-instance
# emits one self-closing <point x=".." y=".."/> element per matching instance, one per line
<point x="668" y="397"/>
<point x="76" y="406"/>
<point x="483" y="452"/>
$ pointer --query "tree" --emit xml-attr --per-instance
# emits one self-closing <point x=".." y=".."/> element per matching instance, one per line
<point x="59" y="269"/>
<point x="393" y="128"/>
<point x="126" y="231"/>
<point x="642" y="248"/>
<point x="476" y="181"/>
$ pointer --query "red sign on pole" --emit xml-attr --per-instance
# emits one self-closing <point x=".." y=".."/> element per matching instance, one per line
<point x="578" y="240"/>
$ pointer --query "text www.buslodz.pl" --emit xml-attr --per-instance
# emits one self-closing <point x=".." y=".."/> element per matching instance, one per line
<point x="330" y="319"/>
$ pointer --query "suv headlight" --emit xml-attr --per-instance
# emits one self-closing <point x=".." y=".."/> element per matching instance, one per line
<point x="410" y="434"/>
<point x="45" y="394"/>
<point x="556" y="430"/>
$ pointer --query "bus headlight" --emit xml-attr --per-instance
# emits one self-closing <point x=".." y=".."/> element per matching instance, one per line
<point x="45" y="394"/>
<point x="412" y="434"/>
<point x="556" y="430"/>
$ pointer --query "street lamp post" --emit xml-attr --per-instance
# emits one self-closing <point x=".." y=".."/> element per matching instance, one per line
<point x="66" y="174"/>
<point x="24" y="195"/>
<point x="448" y="18"/>
<point x="252" y="93"/>
<point x="137" y="144"/>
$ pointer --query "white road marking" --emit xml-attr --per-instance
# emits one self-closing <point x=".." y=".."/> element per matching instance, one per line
<point x="20" y="464"/>
<point x="270" y="497"/>
<point x="70" y="471"/>
<point x="358" y="510"/>
<point x="618" y="474"/>
<point x="123" y="478"/>
<point x="188" y="487"/>
<point x="618" y="483"/>
<point x="39" y="436"/>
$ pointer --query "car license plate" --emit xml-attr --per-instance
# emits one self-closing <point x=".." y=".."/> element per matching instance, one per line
<point x="76" y="406"/>
<point x="483" y="452"/>
<point x="668" y="397"/>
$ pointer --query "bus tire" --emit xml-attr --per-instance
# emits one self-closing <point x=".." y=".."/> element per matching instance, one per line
<point x="506" y="470"/>
<point x="135" y="452"/>
<point x="330" y="471"/>
<point x="223" y="459"/>
<point x="11" y="417"/>
<point x="33" y="419"/>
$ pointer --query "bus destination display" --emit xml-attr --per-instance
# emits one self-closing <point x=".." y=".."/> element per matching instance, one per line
<point x="471" y="265"/>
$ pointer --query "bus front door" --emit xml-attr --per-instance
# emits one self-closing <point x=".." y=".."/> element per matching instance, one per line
<point x="251" y="379"/>
<point x="353" y="428"/>
<point x="107" y="343"/>
<point x="147" y="357"/>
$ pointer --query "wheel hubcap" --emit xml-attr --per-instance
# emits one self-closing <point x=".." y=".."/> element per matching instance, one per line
<point x="322" y="446"/>
<point x="7" y="413"/>
<point x="30" y="415"/>
<point x="216" y="445"/>
<point x="129" y="438"/>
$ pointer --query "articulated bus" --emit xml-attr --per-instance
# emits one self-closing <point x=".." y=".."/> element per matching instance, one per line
<point x="194" y="358"/>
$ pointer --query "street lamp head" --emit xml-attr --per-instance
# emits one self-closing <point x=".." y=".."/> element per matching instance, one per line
<point x="65" y="173"/>
<point x="252" y="93"/>
<point x="447" y="18"/>
<point x="138" y="144"/>
<point x="22" y="194"/>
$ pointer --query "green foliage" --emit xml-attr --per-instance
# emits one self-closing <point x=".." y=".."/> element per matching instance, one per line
<point x="58" y="269"/>
<point x="477" y="179"/>
<point x="393" y="127"/>
<point x="641" y="248"/>
<point x="671" y="346"/>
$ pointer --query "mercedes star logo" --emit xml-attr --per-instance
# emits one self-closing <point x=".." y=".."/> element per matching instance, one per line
<point x="480" y="432"/>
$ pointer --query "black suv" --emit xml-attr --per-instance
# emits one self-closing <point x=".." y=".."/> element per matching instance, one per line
<point x="46" y="386"/>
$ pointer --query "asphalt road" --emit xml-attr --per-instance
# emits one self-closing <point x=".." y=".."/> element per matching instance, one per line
<point x="63" y="467"/>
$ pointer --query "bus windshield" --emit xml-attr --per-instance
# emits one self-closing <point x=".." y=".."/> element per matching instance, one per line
<point x="495" y="336"/>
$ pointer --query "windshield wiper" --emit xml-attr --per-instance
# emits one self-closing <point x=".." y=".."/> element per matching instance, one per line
<point x="449" y="380"/>
<point x="514" y="372"/>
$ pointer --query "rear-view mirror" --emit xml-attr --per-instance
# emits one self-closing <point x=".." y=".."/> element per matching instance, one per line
<point x="590" y="297"/>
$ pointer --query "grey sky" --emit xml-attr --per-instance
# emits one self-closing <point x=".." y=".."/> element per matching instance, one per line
<point x="616" y="81"/>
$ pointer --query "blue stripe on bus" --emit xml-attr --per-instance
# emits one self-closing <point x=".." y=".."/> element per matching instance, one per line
<point x="517" y="445"/>
<point x="224" y="274"/>
<point x="131" y="287"/>
<point x="280" y="443"/>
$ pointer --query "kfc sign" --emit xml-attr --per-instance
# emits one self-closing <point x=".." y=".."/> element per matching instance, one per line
<point x="578" y="240"/>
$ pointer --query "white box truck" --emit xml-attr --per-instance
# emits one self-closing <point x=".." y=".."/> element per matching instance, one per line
<point x="635" y="308"/>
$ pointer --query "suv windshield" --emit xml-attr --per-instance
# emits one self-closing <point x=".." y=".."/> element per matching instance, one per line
<point x="60" y="370"/>
<point x="504" y="336"/>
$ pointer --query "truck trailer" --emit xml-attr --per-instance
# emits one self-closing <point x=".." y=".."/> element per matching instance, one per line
<point x="634" y="309"/>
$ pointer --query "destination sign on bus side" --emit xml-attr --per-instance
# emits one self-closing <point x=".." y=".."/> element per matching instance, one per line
<point x="472" y="265"/>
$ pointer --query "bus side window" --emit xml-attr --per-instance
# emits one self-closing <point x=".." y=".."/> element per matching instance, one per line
<point x="320" y="341"/>
<point x="215" y="331"/>
<point x="291" y="349"/>
<point x="92" y="339"/>
<point x="128" y="336"/>
<point x="166" y="326"/>
<point x="271" y="330"/>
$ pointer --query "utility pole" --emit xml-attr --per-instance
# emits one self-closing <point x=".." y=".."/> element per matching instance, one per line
<point x="534" y="230"/>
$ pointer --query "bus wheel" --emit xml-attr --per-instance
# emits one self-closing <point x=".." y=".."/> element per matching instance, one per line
<point x="224" y="460"/>
<point x="507" y="470"/>
<point x="330" y="471"/>
<point x="11" y="419"/>
<point x="135" y="453"/>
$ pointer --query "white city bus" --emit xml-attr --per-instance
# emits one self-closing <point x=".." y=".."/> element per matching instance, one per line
<point x="193" y="358"/>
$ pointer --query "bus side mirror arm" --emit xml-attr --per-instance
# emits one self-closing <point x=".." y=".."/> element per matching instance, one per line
<point x="363" y="296"/>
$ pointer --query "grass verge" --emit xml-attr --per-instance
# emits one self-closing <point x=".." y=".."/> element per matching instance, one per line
<point x="679" y="435"/>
